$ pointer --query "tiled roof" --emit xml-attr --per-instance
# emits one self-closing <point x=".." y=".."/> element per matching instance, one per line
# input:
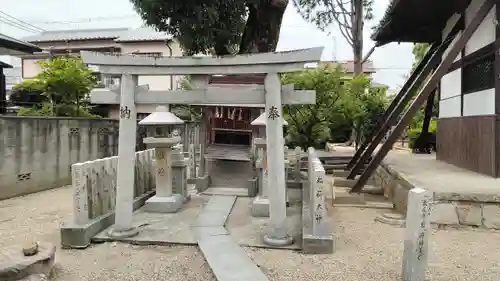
<point x="77" y="34"/>
<point x="117" y="34"/>
<point x="348" y="66"/>
<point x="143" y="34"/>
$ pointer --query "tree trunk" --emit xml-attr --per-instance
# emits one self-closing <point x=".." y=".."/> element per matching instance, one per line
<point x="357" y="34"/>
<point x="357" y="50"/>
<point x="263" y="25"/>
<point x="422" y="144"/>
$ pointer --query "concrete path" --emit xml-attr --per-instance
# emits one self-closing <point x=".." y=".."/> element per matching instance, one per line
<point x="226" y="258"/>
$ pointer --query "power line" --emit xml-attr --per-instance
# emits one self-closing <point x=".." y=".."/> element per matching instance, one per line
<point x="13" y="21"/>
<point x="18" y="26"/>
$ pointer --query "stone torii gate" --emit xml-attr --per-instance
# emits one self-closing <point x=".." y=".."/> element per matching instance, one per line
<point x="272" y="93"/>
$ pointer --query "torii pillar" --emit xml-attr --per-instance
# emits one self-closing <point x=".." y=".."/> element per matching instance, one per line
<point x="277" y="232"/>
<point x="126" y="160"/>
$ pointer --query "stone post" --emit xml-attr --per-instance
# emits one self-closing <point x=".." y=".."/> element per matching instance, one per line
<point x="298" y="153"/>
<point x="165" y="201"/>
<point x="203" y="137"/>
<point x="260" y="205"/>
<point x="317" y="197"/>
<point x="80" y="196"/>
<point x="192" y="162"/>
<point x="416" y="235"/>
<point x="179" y="174"/>
<point x="277" y="232"/>
<point x="126" y="160"/>
<point x="163" y="157"/>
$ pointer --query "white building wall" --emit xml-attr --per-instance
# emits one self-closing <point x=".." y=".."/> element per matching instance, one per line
<point x="476" y="103"/>
<point x="480" y="103"/>
<point x="160" y="82"/>
<point x="30" y="68"/>
<point x="451" y="83"/>
<point x="485" y="33"/>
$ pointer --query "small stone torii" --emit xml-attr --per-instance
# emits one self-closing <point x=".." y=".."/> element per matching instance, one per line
<point x="272" y="93"/>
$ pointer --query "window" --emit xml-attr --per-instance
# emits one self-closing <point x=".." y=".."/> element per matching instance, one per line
<point x="479" y="74"/>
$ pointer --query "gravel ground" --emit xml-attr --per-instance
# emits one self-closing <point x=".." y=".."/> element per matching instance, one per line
<point x="40" y="215"/>
<point x="366" y="250"/>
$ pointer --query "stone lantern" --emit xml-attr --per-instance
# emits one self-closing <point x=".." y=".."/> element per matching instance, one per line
<point x="165" y="200"/>
<point x="260" y="205"/>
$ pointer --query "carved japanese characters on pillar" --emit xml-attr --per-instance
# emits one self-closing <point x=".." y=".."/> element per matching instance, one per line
<point x="159" y="154"/>
<point x="416" y="242"/>
<point x="317" y="196"/>
<point x="425" y="212"/>
<point x="161" y="171"/>
<point x="273" y="113"/>
<point x="124" y="112"/>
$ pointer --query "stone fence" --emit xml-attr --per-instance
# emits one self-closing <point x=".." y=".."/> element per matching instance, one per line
<point x="94" y="184"/>
<point x="316" y="225"/>
<point x="37" y="152"/>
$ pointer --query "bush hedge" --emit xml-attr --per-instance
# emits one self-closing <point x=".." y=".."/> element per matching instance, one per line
<point x="413" y="134"/>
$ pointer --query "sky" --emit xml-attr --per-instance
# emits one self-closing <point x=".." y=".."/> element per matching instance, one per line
<point x="392" y="61"/>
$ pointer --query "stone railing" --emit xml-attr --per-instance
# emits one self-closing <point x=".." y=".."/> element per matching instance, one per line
<point x="316" y="226"/>
<point x="94" y="185"/>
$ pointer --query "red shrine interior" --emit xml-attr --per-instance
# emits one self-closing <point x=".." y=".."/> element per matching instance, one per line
<point x="230" y="125"/>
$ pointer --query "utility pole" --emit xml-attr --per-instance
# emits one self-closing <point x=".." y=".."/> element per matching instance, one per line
<point x="334" y="54"/>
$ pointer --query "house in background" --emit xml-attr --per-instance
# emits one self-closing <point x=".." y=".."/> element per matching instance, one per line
<point x="11" y="47"/>
<point x="141" y="41"/>
<point x="348" y="66"/>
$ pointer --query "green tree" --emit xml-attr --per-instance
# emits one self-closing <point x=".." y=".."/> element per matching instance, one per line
<point x="366" y="105"/>
<point x="65" y="84"/>
<point x="217" y="27"/>
<point x="186" y="111"/>
<point x="309" y="125"/>
<point x="339" y="101"/>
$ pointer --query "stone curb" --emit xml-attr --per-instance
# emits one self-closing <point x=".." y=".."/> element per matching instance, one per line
<point x="75" y="236"/>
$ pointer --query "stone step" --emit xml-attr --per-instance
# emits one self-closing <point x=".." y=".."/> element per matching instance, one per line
<point x="229" y="191"/>
<point x="228" y="260"/>
<point x="344" y="197"/>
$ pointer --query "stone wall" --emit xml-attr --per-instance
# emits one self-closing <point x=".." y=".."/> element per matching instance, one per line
<point x="448" y="208"/>
<point x="37" y="152"/>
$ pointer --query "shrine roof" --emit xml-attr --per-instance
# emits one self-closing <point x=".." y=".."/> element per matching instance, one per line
<point x="417" y="21"/>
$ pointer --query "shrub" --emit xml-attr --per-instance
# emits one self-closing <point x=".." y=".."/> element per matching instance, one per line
<point x="413" y="134"/>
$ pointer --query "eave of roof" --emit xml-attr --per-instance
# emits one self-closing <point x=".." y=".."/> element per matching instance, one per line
<point x="18" y="46"/>
<point x="417" y="21"/>
<point x="142" y="34"/>
<point x="77" y="35"/>
<point x="5" y="65"/>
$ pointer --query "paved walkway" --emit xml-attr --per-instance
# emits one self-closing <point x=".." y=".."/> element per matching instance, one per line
<point x="231" y="264"/>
